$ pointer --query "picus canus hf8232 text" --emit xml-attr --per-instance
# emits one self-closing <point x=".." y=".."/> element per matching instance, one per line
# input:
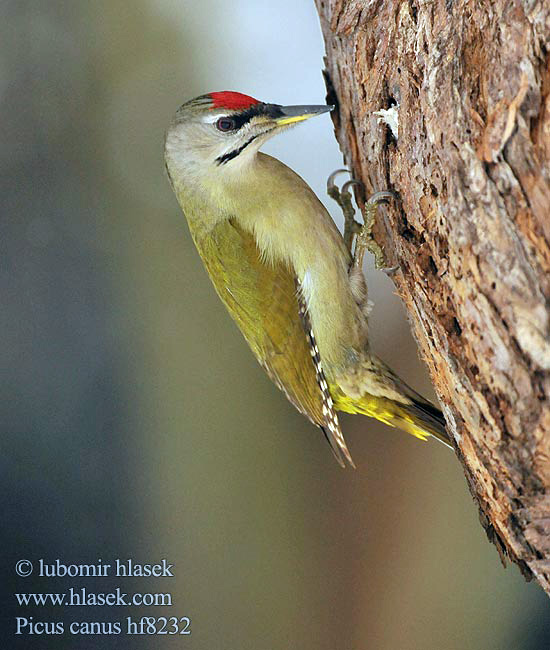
<point x="282" y="268"/>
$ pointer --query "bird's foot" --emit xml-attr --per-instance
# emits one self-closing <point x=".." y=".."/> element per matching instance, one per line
<point x="343" y="198"/>
<point x="365" y="240"/>
<point x="353" y="230"/>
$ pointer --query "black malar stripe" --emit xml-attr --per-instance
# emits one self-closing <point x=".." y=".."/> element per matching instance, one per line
<point x="221" y="160"/>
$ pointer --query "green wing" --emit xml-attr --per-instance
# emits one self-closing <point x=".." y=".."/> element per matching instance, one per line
<point x="262" y="299"/>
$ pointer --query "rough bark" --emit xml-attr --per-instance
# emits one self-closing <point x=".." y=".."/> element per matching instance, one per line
<point x="470" y="232"/>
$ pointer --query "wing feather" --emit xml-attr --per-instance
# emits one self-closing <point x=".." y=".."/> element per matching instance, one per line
<point x="262" y="298"/>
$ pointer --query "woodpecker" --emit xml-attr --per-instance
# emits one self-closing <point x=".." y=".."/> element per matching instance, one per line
<point x="282" y="268"/>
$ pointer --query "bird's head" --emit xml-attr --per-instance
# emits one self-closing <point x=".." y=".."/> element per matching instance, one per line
<point x="225" y="129"/>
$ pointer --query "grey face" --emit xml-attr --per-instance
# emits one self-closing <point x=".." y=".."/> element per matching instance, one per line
<point x="219" y="136"/>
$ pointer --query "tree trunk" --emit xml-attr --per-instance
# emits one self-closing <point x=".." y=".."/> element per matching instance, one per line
<point x="469" y="81"/>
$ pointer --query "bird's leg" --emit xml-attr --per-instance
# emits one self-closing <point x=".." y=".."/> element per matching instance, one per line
<point x="343" y="198"/>
<point x="365" y="241"/>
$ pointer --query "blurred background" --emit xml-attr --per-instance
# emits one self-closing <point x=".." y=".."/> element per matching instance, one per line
<point x="135" y="421"/>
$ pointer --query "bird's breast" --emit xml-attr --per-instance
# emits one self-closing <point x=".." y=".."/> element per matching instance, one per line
<point x="291" y="226"/>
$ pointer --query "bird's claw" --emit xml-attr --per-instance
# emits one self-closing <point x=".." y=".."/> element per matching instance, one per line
<point x="380" y="197"/>
<point x="353" y="229"/>
<point x="390" y="271"/>
<point x="344" y="200"/>
<point x="365" y="240"/>
<point x="331" y="185"/>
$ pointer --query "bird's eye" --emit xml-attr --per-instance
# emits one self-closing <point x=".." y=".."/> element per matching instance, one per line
<point x="226" y="124"/>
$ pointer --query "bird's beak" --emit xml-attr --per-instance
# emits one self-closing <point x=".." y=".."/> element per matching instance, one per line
<point x="292" y="114"/>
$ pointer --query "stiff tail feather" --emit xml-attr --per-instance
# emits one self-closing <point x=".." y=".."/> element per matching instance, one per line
<point x="419" y="417"/>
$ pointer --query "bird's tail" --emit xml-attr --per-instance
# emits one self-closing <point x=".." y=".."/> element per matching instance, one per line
<point x="413" y="414"/>
<point x="420" y="418"/>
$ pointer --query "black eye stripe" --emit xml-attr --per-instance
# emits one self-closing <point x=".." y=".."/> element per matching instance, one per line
<point x="267" y="110"/>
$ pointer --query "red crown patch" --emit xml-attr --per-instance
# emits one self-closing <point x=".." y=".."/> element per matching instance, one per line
<point x="231" y="100"/>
